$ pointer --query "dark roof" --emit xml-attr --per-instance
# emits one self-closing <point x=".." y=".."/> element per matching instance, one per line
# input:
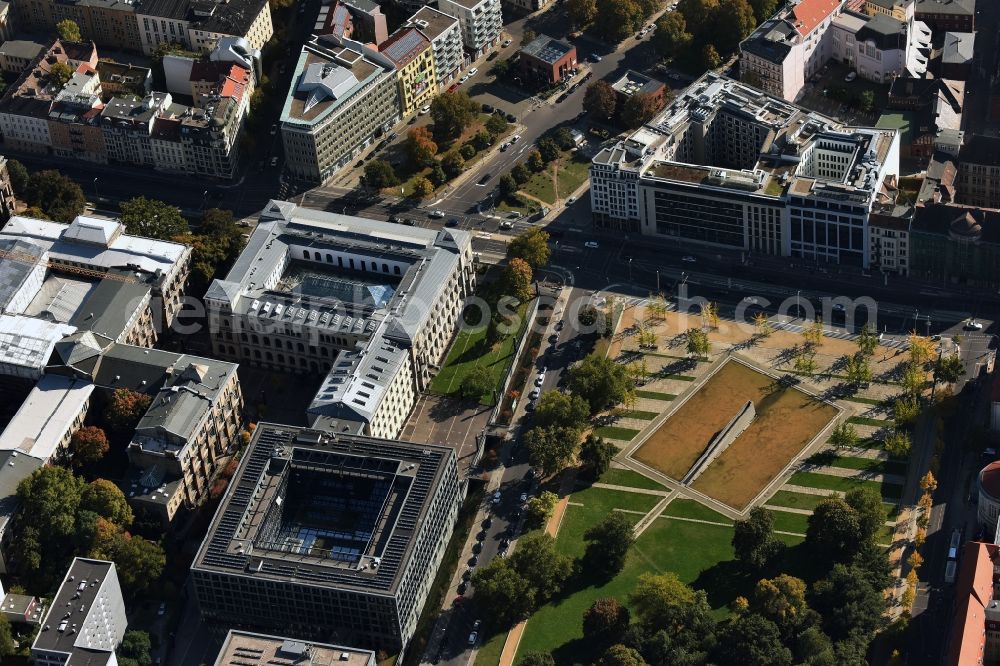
<point x="233" y="17"/>
<point x="891" y="217"/>
<point x="83" y="582"/>
<point x="905" y="90"/>
<point x="885" y="31"/>
<point x="962" y="7"/>
<point x="963" y="222"/>
<point x="109" y="307"/>
<point x="772" y="41"/>
<point x="980" y="149"/>
<point x="547" y="49"/>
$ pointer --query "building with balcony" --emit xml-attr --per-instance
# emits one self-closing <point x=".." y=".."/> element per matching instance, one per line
<point x="481" y="23"/>
<point x="726" y="165"/>
<point x="328" y="536"/>
<point x="343" y="97"/>
<point x="413" y="57"/>
<point x="445" y="35"/>
<point x="370" y="305"/>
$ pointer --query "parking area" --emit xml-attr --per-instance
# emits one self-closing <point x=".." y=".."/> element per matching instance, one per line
<point x="448" y="422"/>
<point x="829" y="93"/>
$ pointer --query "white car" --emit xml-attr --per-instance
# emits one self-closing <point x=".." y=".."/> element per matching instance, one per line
<point x="688" y="259"/>
<point x="436" y="214"/>
<point x="591" y="245"/>
<point x="425" y="110"/>
<point x="506" y="43"/>
<point x="851" y="76"/>
<point x="496" y="497"/>
<point x="751" y="300"/>
<point x="473" y="71"/>
<point x="473" y="637"/>
<point x="524" y="497"/>
<point x="535" y="393"/>
<point x="486" y="236"/>
<point x="974" y="325"/>
<point x="539" y="379"/>
<point x="514" y="139"/>
<point x="570" y="201"/>
<point x="463" y="79"/>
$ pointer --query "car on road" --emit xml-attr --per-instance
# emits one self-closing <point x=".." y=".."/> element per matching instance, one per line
<point x="486" y="178"/>
<point x="506" y="225"/>
<point x="559" y="324"/>
<point x="463" y="79"/>
<point x="394" y="219"/>
<point x="524" y="497"/>
<point x="751" y="300"/>
<point x="570" y="201"/>
<point x="540" y="379"/>
<point x="274" y="161"/>
<point x="462" y="587"/>
<point x="851" y="76"/>
<point x="162" y="610"/>
<point x="535" y="393"/>
<point x="473" y="637"/>
<point x="424" y="110"/>
<point x="408" y="222"/>
<point x="511" y="118"/>
<point x="486" y="236"/>
<point x="514" y="139"/>
<point x="506" y="43"/>
<point x="592" y="245"/>
<point x="488" y="108"/>
<point x="488" y="522"/>
<point x="553" y="338"/>
<point x="530" y="474"/>
<point x="530" y="407"/>
<point x="473" y="561"/>
<point x="451" y="223"/>
<point x="274" y="129"/>
<point x="467" y="574"/>
<point x="473" y="71"/>
<point x="974" y="325"/>
<point x="477" y="547"/>
<point x="436" y="214"/>
<point x="496" y="497"/>
<point x="477" y="624"/>
<point x="595" y="58"/>
<point x="359" y="164"/>
<point x="504" y="146"/>
<point x="688" y="259"/>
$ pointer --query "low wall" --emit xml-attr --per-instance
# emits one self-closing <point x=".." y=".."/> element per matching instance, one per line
<point x="721" y="441"/>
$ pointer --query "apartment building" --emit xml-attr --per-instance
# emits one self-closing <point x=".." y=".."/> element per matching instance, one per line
<point x="889" y="229"/>
<point x="956" y="244"/>
<point x="901" y="10"/>
<point x="98" y="248"/>
<point x="199" y="26"/>
<point x="413" y="57"/>
<point x="445" y="35"/>
<point x="243" y="648"/>
<point x="17" y="54"/>
<point x="527" y="5"/>
<point x="358" y="20"/>
<point x="93" y="629"/>
<point x="729" y="166"/>
<point x="481" y="22"/>
<point x="947" y="15"/>
<point x="276" y="558"/>
<point x="975" y="631"/>
<point x="342" y="98"/>
<point x="979" y="172"/>
<point x="879" y="48"/>
<point x="369" y="304"/>
<point x="110" y="24"/>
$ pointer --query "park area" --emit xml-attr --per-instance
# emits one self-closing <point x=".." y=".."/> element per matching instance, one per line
<point x="787" y="419"/>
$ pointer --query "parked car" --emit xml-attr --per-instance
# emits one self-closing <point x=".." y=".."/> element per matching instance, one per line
<point x="162" y="610"/>
<point x="496" y="497"/>
<point x="274" y="161"/>
<point x="408" y="222"/>
<point x="591" y="245"/>
<point x="511" y="118"/>
<point x="506" y="225"/>
<point x="487" y="108"/>
<point x="570" y="201"/>
<point x="436" y="214"/>
<point x="514" y="139"/>
<point x="473" y="637"/>
<point x="463" y="79"/>
<point x="595" y="58"/>
<point x="274" y="129"/>
<point x="473" y="71"/>
<point x="451" y="223"/>
<point x="486" y="178"/>
<point x="535" y="393"/>
<point x="524" y="497"/>
<point x="540" y="379"/>
<point x="974" y="325"/>
<point x="689" y="259"/>
<point x="851" y="76"/>
<point x="506" y="43"/>
<point x="424" y="110"/>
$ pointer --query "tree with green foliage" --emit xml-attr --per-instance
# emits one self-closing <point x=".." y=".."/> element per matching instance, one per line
<point x="151" y="218"/>
<point x="551" y="448"/>
<point x="50" y="499"/>
<point x="834" y="530"/>
<point x="507" y="185"/>
<point x="782" y="600"/>
<point x="700" y="16"/>
<point x="528" y="36"/>
<point x="537" y="659"/>
<point x="59" y="74"/>
<point x="905" y="411"/>
<point x="535" y="162"/>
<point x="867" y="340"/>
<point x="848" y="603"/>
<point x="548" y="148"/>
<point x="520" y="174"/>
<point x="476" y="384"/>
<point x="563" y="137"/>
<point x="452" y="113"/>
<point x="68" y="31"/>
<point x="515" y="279"/>
<point x="7" y="647"/>
<point x="866" y="101"/>
<point x="753" y="538"/>
<point x="844" y="435"/>
<point x="422" y="188"/>
<point x="581" y="12"/>
<point x="88" y="445"/>
<point x="867" y="503"/>
<point x="539" y="563"/>
<point x="897" y="442"/>
<point x="139" y="562"/>
<point x="734" y="21"/>
<point x="751" y="640"/>
<point x="605" y="622"/>
<point x="505" y="592"/>
<point x="437" y="176"/>
<point x="18" y="178"/>
<point x="621" y="655"/>
<point x="531" y="246"/>
<point x="913" y="379"/>
<point x="496" y="124"/>
<point x="561" y="410"/>
<point x="55" y="194"/>
<point x="812" y="647"/>
<point x="420" y="147"/>
<point x="467" y="151"/>
<point x="601" y="382"/>
<point x="697" y="342"/>
<point x="671" y="38"/>
<point x="136" y="645"/>
<point x="763" y="9"/>
<point x="639" y="109"/>
<point x="379" y="174"/>
<point x="858" y="370"/>
<point x="124" y="409"/>
<point x="710" y="58"/>
<point x="483" y="139"/>
<point x="600" y="99"/>
<point x="607" y="545"/>
<point x="596" y="455"/>
<point x="617" y="19"/>
<point x="108" y="501"/>
<point x="538" y="509"/>
<point x="656" y="598"/>
<point x="949" y="369"/>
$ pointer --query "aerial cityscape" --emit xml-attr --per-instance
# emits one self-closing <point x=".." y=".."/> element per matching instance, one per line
<point x="499" y="332"/>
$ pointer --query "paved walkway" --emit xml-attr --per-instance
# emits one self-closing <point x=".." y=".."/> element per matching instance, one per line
<point x="630" y="489"/>
<point x="806" y="490"/>
<point x="654" y="513"/>
<point x="860" y="474"/>
<point x="788" y="509"/>
<point x="870" y="454"/>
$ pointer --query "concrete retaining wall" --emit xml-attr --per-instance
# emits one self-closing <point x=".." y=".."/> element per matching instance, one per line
<point x="721" y="441"/>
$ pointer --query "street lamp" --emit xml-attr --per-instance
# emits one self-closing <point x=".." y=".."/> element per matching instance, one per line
<point x="97" y="195"/>
<point x="657" y="280"/>
<point x="798" y="307"/>
<point x="630" y="269"/>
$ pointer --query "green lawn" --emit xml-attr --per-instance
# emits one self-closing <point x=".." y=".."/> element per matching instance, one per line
<point x="689" y="508"/>
<point x="683" y="378"/>
<point x="829" y="482"/>
<point x="795" y="500"/>
<point x="655" y="395"/>
<point x="863" y="400"/>
<point x="523" y="206"/>
<point x="490" y="649"/>
<point x="864" y="464"/>
<point x="790" y="522"/>
<point x="614" y="432"/>
<point x="639" y="414"/>
<point x="596" y="504"/>
<point x="864" y="420"/>
<point x="573" y="172"/>
<point x="469" y="350"/>
<point x="626" y="477"/>
<point x="541" y="186"/>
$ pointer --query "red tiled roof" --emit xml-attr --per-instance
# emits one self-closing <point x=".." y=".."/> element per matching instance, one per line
<point x="810" y="13"/>
<point x="972" y="595"/>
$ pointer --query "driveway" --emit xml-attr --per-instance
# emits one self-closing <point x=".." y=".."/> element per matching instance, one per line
<point x="449" y="422"/>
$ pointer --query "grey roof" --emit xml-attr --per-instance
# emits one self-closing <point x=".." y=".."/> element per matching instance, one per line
<point x="772" y="40"/>
<point x="233" y="17"/>
<point x="958" y="48"/>
<point x="547" y="49"/>
<point x="961" y="7"/>
<point x="632" y="82"/>
<point x="84" y="582"/>
<point x="885" y="31"/>
<point x="14" y="468"/>
<point x="22" y="48"/>
<point x="19" y="260"/>
<point x="110" y="307"/>
<point x="74" y="351"/>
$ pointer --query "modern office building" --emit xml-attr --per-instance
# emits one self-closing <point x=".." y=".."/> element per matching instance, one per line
<point x="198" y="26"/>
<point x="371" y="305"/>
<point x="979" y="172"/>
<point x="726" y="165"/>
<point x="546" y="61"/>
<point x="481" y="23"/>
<point x="243" y="648"/>
<point x="86" y="621"/>
<point x="343" y="97"/>
<point x="328" y="536"/>
<point x="413" y="57"/>
<point x="445" y="35"/>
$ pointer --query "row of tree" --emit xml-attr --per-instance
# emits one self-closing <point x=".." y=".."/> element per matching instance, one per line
<point x="611" y="20"/>
<point x="708" y="28"/>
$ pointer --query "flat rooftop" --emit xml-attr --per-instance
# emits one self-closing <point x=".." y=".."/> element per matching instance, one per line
<point x="330" y="510"/>
<point x="46" y="416"/>
<point x="79" y="590"/>
<point x="243" y="648"/>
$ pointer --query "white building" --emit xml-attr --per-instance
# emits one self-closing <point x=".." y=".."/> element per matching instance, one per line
<point x="94" y="627"/>
<point x="879" y="48"/>
<point x="47" y="419"/>
<point x="445" y="35"/>
<point x="27" y="343"/>
<point x="481" y="23"/>
<point x="726" y="165"/>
